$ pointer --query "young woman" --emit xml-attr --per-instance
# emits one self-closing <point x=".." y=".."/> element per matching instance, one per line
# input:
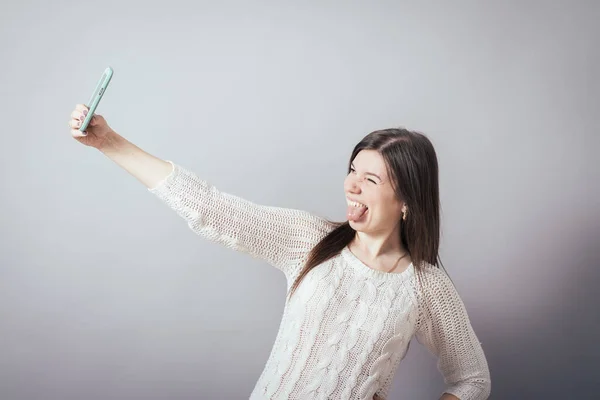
<point x="358" y="291"/>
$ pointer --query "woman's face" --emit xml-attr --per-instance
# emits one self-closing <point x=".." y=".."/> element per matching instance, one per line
<point x="369" y="184"/>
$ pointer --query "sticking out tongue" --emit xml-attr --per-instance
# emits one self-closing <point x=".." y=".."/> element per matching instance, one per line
<point x="355" y="213"/>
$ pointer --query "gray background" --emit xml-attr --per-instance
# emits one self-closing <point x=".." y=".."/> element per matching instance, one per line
<point x="106" y="294"/>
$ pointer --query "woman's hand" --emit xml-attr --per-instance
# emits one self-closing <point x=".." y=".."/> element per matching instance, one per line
<point x="97" y="129"/>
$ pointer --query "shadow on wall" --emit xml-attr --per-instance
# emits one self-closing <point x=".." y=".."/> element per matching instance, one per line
<point x="551" y="351"/>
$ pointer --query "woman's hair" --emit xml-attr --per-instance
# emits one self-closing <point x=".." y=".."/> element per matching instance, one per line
<point x="412" y="166"/>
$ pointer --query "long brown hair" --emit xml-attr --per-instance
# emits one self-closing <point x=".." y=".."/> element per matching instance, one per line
<point x="412" y="165"/>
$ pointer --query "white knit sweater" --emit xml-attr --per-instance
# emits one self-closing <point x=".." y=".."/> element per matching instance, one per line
<point x="348" y="326"/>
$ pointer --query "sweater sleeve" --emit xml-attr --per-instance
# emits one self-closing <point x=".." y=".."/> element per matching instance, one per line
<point x="445" y="330"/>
<point x="280" y="236"/>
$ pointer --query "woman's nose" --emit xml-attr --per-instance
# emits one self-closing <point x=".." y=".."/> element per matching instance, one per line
<point x="353" y="186"/>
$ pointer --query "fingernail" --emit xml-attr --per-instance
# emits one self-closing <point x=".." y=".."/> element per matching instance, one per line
<point x="85" y="112"/>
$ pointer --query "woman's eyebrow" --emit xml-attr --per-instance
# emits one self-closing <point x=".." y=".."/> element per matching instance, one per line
<point x="369" y="173"/>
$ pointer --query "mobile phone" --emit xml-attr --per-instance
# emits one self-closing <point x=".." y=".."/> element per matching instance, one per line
<point x="96" y="97"/>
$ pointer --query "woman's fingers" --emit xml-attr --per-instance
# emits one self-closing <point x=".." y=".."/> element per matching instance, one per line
<point x="79" y="114"/>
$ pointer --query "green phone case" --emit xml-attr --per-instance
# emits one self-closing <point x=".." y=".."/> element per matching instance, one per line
<point x="97" y="96"/>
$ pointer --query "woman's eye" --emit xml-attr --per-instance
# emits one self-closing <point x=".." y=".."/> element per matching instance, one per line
<point x="370" y="180"/>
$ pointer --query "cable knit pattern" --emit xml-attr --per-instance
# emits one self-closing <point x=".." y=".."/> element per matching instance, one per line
<point x="348" y="326"/>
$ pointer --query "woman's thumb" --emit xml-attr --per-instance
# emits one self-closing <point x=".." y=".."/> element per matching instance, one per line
<point x="96" y="119"/>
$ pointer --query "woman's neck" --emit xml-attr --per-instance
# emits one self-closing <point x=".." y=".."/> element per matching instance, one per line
<point x="378" y="248"/>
